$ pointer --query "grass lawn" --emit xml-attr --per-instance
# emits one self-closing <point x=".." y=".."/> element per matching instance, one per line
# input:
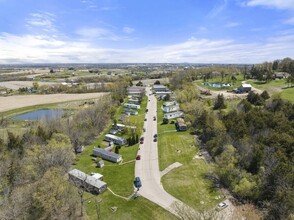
<point x="187" y="182"/>
<point x="226" y="80"/>
<point x="139" y="208"/>
<point x="274" y="86"/>
<point x="288" y="94"/>
<point x="119" y="179"/>
<point x="278" y="83"/>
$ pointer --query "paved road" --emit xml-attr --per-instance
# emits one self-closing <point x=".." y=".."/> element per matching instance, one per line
<point x="147" y="168"/>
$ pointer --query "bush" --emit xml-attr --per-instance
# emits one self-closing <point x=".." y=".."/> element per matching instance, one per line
<point x="165" y="121"/>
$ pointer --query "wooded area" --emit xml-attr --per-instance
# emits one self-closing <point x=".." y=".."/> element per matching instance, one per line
<point x="33" y="168"/>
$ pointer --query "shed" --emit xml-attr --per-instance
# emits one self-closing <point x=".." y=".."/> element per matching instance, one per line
<point x="245" y="88"/>
<point x="181" y="126"/>
<point x="100" y="164"/>
<point x="107" y="155"/>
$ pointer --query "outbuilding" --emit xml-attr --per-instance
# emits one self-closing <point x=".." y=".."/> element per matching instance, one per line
<point x="245" y="88"/>
<point x="180" y="124"/>
<point x="107" y="155"/>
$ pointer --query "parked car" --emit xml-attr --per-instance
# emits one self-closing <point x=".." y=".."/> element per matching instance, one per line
<point x="154" y="118"/>
<point x="138" y="157"/>
<point x="145" y="119"/>
<point x="222" y="205"/>
<point x="155" y="136"/>
<point x="137" y="182"/>
<point x="144" y="129"/>
<point x="155" y="139"/>
<point x="141" y="141"/>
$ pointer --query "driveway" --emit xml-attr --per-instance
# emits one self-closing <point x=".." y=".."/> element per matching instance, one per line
<point x="147" y="168"/>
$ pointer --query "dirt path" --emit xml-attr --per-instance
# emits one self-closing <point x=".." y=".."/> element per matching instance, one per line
<point x="19" y="101"/>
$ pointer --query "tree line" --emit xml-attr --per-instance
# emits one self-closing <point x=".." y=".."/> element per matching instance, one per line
<point x="33" y="168"/>
<point x="252" y="146"/>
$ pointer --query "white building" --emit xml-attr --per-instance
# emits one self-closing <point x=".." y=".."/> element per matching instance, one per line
<point x="165" y="104"/>
<point x="160" y="88"/>
<point x="129" y="105"/>
<point x="87" y="182"/>
<point x="171" y="108"/>
<point x="107" y="155"/>
<point x="173" y="115"/>
<point x="115" y="139"/>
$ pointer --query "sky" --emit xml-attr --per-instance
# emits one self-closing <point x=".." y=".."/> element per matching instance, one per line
<point x="145" y="31"/>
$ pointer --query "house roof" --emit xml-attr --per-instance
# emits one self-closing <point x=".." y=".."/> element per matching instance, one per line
<point x="111" y="154"/>
<point x="88" y="179"/>
<point x="246" y="85"/>
<point x="96" y="175"/>
<point x="159" y="86"/>
<point x="115" y="137"/>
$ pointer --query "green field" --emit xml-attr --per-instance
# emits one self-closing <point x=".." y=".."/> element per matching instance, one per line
<point x="188" y="182"/>
<point x="218" y="79"/>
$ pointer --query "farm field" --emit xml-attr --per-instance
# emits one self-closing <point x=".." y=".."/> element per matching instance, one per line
<point x="20" y="101"/>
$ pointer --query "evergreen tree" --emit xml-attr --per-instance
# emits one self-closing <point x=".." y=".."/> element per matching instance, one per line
<point x="219" y="102"/>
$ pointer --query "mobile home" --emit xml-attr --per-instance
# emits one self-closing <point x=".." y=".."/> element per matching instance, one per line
<point x="107" y="155"/>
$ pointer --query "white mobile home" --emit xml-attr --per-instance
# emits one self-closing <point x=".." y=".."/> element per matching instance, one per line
<point x="173" y="115"/>
<point x="107" y="155"/>
<point x="129" y="105"/>
<point x="87" y="182"/>
<point x="129" y="112"/>
<point x="171" y="108"/>
<point x="115" y="139"/>
<point x="136" y="90"/>
<point x="160" y="88"/>
<point x="122" y="126"/>
<point x="165" y="104"/>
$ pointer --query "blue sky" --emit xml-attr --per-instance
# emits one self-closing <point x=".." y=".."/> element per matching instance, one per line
<point x="115" y="31"/>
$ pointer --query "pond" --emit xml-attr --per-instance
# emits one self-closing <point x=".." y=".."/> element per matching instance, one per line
<point x="40" y="114"/>
<point x="217" y="85"/>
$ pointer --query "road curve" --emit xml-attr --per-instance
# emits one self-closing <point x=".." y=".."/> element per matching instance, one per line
<point x="148" y="168"/>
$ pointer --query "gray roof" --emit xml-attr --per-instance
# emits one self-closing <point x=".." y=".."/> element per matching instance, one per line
<point x="88" y="179"/>
<point x="159" y="86"/>
<point x="115" y="137"/>
<point x="101" y="150"/>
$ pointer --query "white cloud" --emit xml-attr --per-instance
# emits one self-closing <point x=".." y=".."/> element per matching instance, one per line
<point x="289" y="21"/>
<point x="128" y="30"/>
<point x="97" y="33"/>
<point x="232" y="24"/>
<point x="217" y="9"/>
<point x="279" y="4"/>
<point x="41" y="20"/>
<point x="45" y="49"/>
